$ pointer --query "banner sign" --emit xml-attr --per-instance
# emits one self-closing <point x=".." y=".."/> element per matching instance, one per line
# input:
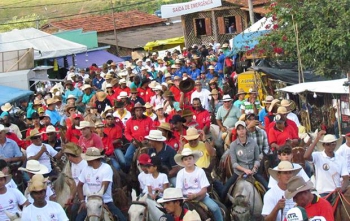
<point x="174" y="10"/>
<point x="163" y="53"/>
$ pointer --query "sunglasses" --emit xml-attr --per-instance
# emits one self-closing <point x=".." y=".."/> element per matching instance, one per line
<point x="35" y="138"/>
<point x="226" y="101"/>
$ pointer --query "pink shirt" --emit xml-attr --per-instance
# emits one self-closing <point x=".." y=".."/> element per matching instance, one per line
<point x="94" y="141"/>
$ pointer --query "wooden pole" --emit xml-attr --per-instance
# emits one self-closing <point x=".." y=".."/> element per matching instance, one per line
<point x="251" y="12"/>
<point x="115" y="29"/>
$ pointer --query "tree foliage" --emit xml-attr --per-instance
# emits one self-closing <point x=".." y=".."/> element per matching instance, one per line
<point x="23" y="22"/>
<point x="323" y="30"/>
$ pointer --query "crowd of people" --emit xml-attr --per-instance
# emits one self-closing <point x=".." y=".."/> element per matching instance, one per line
<point x="113" y="110"/>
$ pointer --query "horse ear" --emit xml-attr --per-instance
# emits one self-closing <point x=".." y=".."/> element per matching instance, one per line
<point x="143" y="198"/>
<point x="86" y="191"/>
<point x="101" y="191"/>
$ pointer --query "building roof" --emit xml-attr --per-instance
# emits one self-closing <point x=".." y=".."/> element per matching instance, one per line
<point x="104" y="23"/>
<point x="244" y="3"/>
<point x="137" y="38"/>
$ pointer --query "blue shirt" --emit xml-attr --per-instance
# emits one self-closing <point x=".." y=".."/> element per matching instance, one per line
<point x="209" y="76"/>
<point x="98" y="82"/>
<point x="166" y="156"/>
<point x="54" y="116"/>
<point x="76" y="92"/>
<point x="10" y="149"/>
<point x="262" y="115"/>
<point x="133" y="85"/>
<point x="195" y="73"/>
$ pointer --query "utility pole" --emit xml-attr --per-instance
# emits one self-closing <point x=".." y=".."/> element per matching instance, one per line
<point x="115" y="29"/>
<point x="251" y="13"/>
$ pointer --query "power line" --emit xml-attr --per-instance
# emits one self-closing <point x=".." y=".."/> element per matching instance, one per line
<point x="34" y="6"/>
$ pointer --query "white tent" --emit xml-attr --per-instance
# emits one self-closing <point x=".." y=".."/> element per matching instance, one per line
<point x="328" y="87"/>
<point x="44" y="44"/>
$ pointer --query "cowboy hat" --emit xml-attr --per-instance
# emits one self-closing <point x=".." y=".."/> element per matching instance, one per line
<point x="252" y="91"/>
<point x="68" y="107"/>
<point x="159" y="106"/>
<point x="268" y="99"/>
<point x="329" y="138"/>
<point x="214" y="92"/>
<point x="33" y="133"/>
<point x="105" y="111"/>
<point x="138" y="105"/>
<point x="3" y="128"/>
<point x="73" y="149"/>
<point x="296" y="185"/>
<point x="153" y="84"/>
<point x="50" y="129"/>
<point x="51" y="101"/>
<point x="101" y="96"/>
<point x="241" y="91"/>
<point x="38" y="102"/>
<point x="84" y="124"/>
<point x="8" y="177"/>
<point x="226" y="97"/>
<point x="169" y="82"/>
<point x="6" y="107"/>
<point x="282" y="110"/>
<point x="211" y="67"/>
<point x="192" y="216"/>
<point x="108" y="76"/>
<point x="68" y="82"/>
<point x="123" y="73"/>
<point x="85" y="86"/>
<point x="114" y="81"/>
<point x="37" y="183"/>
<point x="171" y="194"/>
<point x="187" y="113"/>
<point x="99" y="124"/>
<point x="109" y="86"/>
<point x="158" y="88"/>
<point x="165" y="126"/>
<point x="191" y="134"/>
<point x="148" y="105"/>
<point x="273" y="103"/>
<point x="155" y="135"/>
<point x="122" y="94"/>
<point x="283" y="166"/>
<point x="168" y="93"/>
<point x="122" y="81"/>
<point x="187" y="152"/>
<point x="92" y="153"/>
<point x="71" y="96"/>
<point x="34" y="167"/>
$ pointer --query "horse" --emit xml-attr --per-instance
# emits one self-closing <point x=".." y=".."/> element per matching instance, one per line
<point x="342" y="207"/>
<point x="246" y="200"/>
<point x="14" y="217"/>
<point x="144" y="208"/>
<point x="96" y="210"/>
<point x="203" y="210"/>
<point x="57" y="89"/>
<point x="64" y="185"/>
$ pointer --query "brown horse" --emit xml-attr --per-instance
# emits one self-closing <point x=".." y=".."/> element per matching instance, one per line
<point x="341" y="205"/>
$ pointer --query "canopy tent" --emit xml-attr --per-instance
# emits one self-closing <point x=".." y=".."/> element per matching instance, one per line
<point x="83" y="60"/>
<point x="327" y="87"/>
<point x="11" y="94"/>
<point x="44" y="44"/>
<point x="250" y="37"/>
<point x="164" y="44"/>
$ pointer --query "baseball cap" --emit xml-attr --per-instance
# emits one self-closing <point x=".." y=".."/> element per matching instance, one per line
<point x="77" y="116"/>
<point x="177" y="118"/>
<point x="144" y="159"/>
<point x="240" y="123"/>
<point x="297" y="214"/>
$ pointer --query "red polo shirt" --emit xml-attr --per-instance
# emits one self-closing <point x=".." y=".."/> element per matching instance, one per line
<point x="138" y="128"/>
<point x="73" y="135"/>
<point x="203" y="118"/>
<point x="145" y="94"/>
<point x="94" y="141"/>
<point x="320" y="207"/>
<point x="279" y="137"/>
<point x="107" y="144"/>
<point x="174" y="143"/>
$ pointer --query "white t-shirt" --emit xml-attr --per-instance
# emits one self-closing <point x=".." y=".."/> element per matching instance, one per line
<point x="93" y="178"/>
<point x="49" y="193"/>
<point x="44" y="159"/>
<point x="271" y="198"/>
<point x="142" y="177"/>
<point x="158" y="182"/>
<point x="9" y="201"/>
<point x="77" y="169"/>
<point x="344" y="151"/>
<point x="273" y="182"/>
<point x="126" y="117"/>
<point x="204" y="96"/>
<point x="52" y="211"/>
<point x="328" y="171"/>
<point x="191" y="182"/>
<point x="11" y="184"/>
<point x="293" y="117"/>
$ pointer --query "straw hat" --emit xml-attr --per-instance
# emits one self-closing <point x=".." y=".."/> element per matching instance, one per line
<point x="225" y="45"/>
<point x="171" y="194"/>
<point x="187" y="113"/>
<point x="241" y="91"/>
<point x="84" y="124"/>
<point x="123" y="73"/>
<point x="101" y="96"/>
<point x="153" y="84"/>
<point x="51" y="129"/>
<point x="51" y="101"/>
<point x="192" y="216"/>
<point x="71" y="96"/>
<point x="68" y="82"/>
<point x="92" y="153"/>
<point x="214" y="92"/>
<point x="329" y="138"/>
<point x="3" y="128"/>
<point x="122" y="81"/>
<point x="226" y="97"/>
<point x="33" y="133"/>
<point x="296" y="185"/>
<point x="38" y="102"/>
<point x="282" y="110"/>
<point x="158" y="88"/>
<point x="169" y="82"/>
<point x="34" y="167"/>
<point x="252" y="91"/>
<point x="85" y="86"/>
<point x="268" y="99"/>
<point x="273" y="104"/>
<point x="6" y="107"/>
<point x="165" y="126"/>
<point x="37" y="183"/>
<point x="283" y="166"/>
<point x="108" y="76"/>
<point x="187" y="152"/>
<point x="72" y="148"/>
<point x="99" y="124"/>
<point x="285" y="103"/>
<point x="156" y="135"/>
<point x="114" y="81"/>
<point x="168" y="94"/>
<point x="109" y="86"/>
<point x="8" y="177"/>
<point x="191" y="134"/>
<point x="297" y="213"/>
<point x="148" y="105"/>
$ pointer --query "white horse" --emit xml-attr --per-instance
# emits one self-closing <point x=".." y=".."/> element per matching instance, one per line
<point x="57" y="89"/>
<point x="64" y="185"/>
<point x="96" y="211"/>
<point x="144" y="209"/>
<point x="13" y="217"/>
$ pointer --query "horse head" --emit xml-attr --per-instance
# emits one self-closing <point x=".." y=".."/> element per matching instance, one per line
<point x="14" y="217"/>
<point x="138" y="210"/>
<point x="94" y="205"/>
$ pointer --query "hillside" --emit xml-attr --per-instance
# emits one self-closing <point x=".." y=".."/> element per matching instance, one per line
<point x="59" y="9"/>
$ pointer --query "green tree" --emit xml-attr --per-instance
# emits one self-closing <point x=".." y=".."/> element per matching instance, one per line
<point x="320" y="29"/>
<point x="28" y="21"/>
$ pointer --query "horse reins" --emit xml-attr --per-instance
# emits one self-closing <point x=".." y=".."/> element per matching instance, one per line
<point x="144" y="204"/>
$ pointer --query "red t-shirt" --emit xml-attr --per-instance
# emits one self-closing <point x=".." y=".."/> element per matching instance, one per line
<point x="107" y="144"/>
<point x="174" y="143"/>
<point x="73" y="135"/>
<point x="280" y="137"/>
<point x="176" y="91"/>
<point x="202" y="118"/>
<point x="138" y="128"/>
<point x="320" y="207"/>
<point x="94" y="141"/>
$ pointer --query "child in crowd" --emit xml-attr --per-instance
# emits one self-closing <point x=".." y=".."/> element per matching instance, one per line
<point x="158" y="181"/>
<point x="142" y="177"/>
<point x="6" y="170"/>
<point x="193" y="181"/>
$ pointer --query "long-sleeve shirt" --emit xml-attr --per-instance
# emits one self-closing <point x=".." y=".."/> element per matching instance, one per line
<point x="138" y="128"/>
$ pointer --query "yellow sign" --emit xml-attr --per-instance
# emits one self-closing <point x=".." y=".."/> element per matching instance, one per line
<point x="251" y="79"/>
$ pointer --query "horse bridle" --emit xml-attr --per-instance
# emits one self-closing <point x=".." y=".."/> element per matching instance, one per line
<point x="144" y="204"/>
<point x="94" y="215"/>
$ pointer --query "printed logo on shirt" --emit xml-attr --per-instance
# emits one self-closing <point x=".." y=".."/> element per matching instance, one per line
<point x="136" y="127"/>
<point x="194" y="117"/>
<point x="153" y="154"/>
<point x="292" y="217"/>
<point x="325" y="167"/>
<point x="240" y="152"/>
<point x="97" y="179"/>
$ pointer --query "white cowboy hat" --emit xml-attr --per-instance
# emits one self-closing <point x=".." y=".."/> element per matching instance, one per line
<point x="191" y="134"/>
<point x="37" y="183"/>
<point x="171" y="194"/>
<point x="50" y="129"/>
<point x="8" y="177"/>
<point x="123" y="73"/>
<point x="122" y="81"/>
<point x="6" y="107"/>
<point x="159" y="106"/>
<point x="296" y="185"/>
<point x="122" y="94"/>
<point x="84" y="124"/>
<point x="158" y="88"/>
<point x="92" y="153"/>
<point x="156" y="135"/>
<point x="187" y="152"/>
<point x="329" y="138"/>
<point x="85" y="86"/>
<point x="109" y="85"/>
<point x="191" y="216"/>
<point x="33" y="166"/>
<point x="268" y="99"/>
<point x="283" y="166"/>
<point x="3" y="128"/>
<point x="226" y="97"/>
